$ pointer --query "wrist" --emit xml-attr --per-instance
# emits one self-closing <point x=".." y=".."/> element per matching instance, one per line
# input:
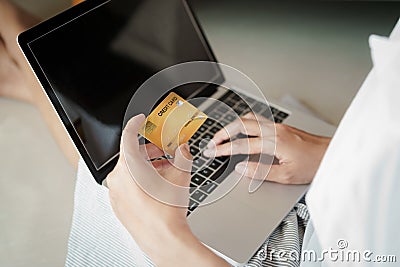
<point x="324" y="142"/>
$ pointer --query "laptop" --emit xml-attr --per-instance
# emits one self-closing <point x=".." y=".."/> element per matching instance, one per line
<point x="91" y="58"/>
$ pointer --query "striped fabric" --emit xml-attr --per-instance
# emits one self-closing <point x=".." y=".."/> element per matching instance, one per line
<point x="98" y="239"/>
<point x="283" y="247"/>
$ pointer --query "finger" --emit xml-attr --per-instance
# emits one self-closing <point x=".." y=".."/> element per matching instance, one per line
<point x="232" y="129"/>
<point x="161" y="164"/>
<point x="242" y="146"/>
<point x="129" y="139"/>
<point x="261" y="171"/>
<point x="183" y="158"/>
<point x="179" y="173"/>
<point x="245" y="126"/>
<point x="151" y="151"/>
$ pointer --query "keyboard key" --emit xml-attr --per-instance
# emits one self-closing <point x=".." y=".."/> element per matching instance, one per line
<point x="283" y="115"/>
<point x="230" y="117"/>
<point x="227" y="95"/>
<point x="197" y="167"/>
<point x="224" y="123"/>
<point x="219" y="125"/>
<point x="208" y="136"/>
<point x="206" y="172"/>
<point x="277" y="120"/>
<point x="194" y="169"/>
<point x="215" y="130"/>
<point x="274" y="110"/>
<point x="230" y="103"/>
<point x="192" y="205"/>
<point x="242" y="105"/>
<point x="209" y="122"/>
<point x="196" y="135"/>
<point x="236" y="97"/>
<point x="202" y="129"/>
<point x="239" y="110"/>
<point x="197" y="144"/>
<point x="215" y="164"/>
<point x="223" y="109"/>
<point x="197" y="179"/>
<point x="194" y="151"/>
<point x="219" y="176"/>
<point x="192" y="188"/>
<point x="208" y="187"/>
<point x="198" y="162"/>
<point x="198" y="196"/>
<point x="257" y="107"/>
<point x="215" y="115"/>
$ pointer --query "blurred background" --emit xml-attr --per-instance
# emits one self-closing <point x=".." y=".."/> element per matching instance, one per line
<point x="315" y="51"/>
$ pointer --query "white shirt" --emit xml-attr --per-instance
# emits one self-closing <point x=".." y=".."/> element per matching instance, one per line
<point x="355" y="196"/>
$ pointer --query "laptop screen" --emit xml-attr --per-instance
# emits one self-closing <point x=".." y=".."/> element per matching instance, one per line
<point x="95" y="63"/>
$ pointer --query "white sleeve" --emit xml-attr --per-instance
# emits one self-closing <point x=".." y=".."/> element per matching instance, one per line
<point x="353" y="201"/>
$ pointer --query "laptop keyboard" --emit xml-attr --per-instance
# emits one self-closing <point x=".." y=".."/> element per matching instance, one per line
<point x="206" y="172"/>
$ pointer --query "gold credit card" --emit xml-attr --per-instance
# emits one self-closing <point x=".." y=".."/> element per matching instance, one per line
<point x="172" y="123"/>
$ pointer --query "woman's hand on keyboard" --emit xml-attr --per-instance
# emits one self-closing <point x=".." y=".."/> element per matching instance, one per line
<point x="160" y="229"/>
<point x="297" y="153"/>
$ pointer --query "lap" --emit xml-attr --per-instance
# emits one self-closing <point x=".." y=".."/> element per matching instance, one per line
<point x="97" y="238"/>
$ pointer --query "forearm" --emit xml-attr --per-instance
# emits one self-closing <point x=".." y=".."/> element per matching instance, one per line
<point x="177" y="246"/>
<point x="191" y="252"/>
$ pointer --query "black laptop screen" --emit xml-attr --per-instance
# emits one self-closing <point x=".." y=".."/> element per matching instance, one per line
<point x="95" y="63"/>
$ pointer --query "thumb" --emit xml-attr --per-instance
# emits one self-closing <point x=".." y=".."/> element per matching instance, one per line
<point x="129" y="141"/>
<point x="183" y="158"/>
<point x="182" y="165"/>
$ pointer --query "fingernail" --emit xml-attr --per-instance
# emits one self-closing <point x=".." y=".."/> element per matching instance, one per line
<point x="185" y="147"/>
<point x="139" y="117"/>
<point x="240" y="168"/>
<point x="209" y="153"/>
